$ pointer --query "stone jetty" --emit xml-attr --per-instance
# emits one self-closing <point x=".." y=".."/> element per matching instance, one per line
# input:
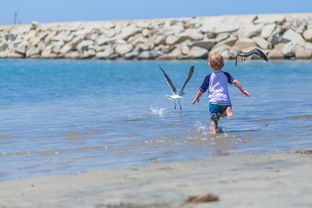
<point x="280" y="36"/>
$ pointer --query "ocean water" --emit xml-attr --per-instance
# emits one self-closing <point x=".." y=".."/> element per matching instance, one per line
<point x="68" y="117"/>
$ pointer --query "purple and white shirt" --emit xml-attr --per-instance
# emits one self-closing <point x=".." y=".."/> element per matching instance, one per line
<point x="217" y="85"/>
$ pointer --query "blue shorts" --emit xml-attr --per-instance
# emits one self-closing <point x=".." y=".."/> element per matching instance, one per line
<point x="216" y="110"/>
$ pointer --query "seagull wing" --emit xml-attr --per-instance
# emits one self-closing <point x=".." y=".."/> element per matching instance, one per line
<point x="191" y="71"/>
<point x="169" y="82"/>
<point x="259" y="53"/>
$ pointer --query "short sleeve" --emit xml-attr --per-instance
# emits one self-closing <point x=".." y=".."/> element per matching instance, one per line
<point x="205" y="84"/>
<point x="229" y="77"/>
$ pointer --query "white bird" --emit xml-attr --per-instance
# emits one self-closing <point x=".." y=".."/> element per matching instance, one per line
<point x="176" y="96"/>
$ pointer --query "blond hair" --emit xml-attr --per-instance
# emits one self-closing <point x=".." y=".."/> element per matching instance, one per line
<point x="216" y="61"/>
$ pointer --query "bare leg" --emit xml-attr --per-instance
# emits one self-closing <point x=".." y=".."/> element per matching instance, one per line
<point x="214" y="127"/>
<point x="229" y="112"/>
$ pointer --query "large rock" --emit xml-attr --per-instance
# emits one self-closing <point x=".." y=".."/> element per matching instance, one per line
<point x="85" y="45"/>
<point x="107" y="53"/>
<point x="123" y="49"/>
<point x="198" y="52"/>
<point x="21" y="49"/>
<point x="303" y="53"/>
<point x="129" y="31"/>
<point x="206" y="44"/>
<point x="104" y="41"/>
<point x="275" y="54"/>
<point x="292" y="36"/>
<point x="14" y="55"/>
<point x="242" y="44"/>
<point x="149" y="55"/>
<point x="132" y="55"/>
<point x="249" y="31"/>
<point x="229" y="41"/>
<point x="270" y="18"/>
<point x="308" y="35"/>
<point x="267" y="30"/>
<point x="66" y="48"/>
<point x="261" y="42"/>
<point x="176" y="39"/>
<point x="32" y="52"/>
<point x="289" y="50"/>
<point x="72" y="55"/>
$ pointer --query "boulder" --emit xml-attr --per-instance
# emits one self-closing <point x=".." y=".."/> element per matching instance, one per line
<point x="107" y="53"/>
<point x="229" y="41"/>
<point x="149" y="55"/>
<point x="104" y="41"/>
<point x="289" y="50"/>
<point x="129" y="31"/>
<point x="261" y="42"/>
<point x="123" y="49"/>
<point x="193" y="34"/>
<point x="185" y="49"/>
<point x="32" y="52"/>
<point x="270" y="18"/>
<point x="206" y="44"/>
<point x="47" y="52"/>
<point x="198" y="52"/>
<point x="72" y="55"/>
<point x="14" y="55"/>
<point x="308" y="35"/>
<point x="267" y="30"/>
<point x="21" y="49"/>
<point x="4" y="47"/>
<point x="66" y="48"/>
<point x="244" y="43"/>
<point x="227" y="28"/>
<point x="86" y="54"/>
<point x="301" y="28"/>
<point x="275" y="54"/>
<point x="221" y="37"/>
<point x="171" y="39"/>
<point x="303" y="53"/>
<point x="292" y="36"/>
<point x="84" y="45"/>
<point x="160" y="40"/>
<point x="249" y="31"/>
<point x="132" y="55"/>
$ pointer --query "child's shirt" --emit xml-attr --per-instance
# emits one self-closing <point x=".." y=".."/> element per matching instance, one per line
<point x="217" y="85"/>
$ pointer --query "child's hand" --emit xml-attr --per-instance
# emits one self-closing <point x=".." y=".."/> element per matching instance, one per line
<point x="245" y="93"/>
<point x="194" y="101"/>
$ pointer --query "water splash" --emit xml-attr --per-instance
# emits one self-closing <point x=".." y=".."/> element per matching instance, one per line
<point x="133" y="117"/>
<point x="158" y="111"/>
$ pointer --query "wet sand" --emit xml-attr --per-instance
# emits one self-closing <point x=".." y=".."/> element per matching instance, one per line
<point x="278" y="179"/>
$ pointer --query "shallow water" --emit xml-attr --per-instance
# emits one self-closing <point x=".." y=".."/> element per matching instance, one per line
<point x="60" y="116"/>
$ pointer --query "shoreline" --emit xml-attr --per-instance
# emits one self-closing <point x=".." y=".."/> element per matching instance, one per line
<point x="252" y="180"/>
<point x="280" y="36"/>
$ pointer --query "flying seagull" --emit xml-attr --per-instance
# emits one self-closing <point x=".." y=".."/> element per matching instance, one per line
<point x="176" y="96"/>
<point x="256" y="51"/>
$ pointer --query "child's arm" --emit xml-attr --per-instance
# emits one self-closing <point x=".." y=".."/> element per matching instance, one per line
<point x="240" y="87"/>
<point x="197" y="96"/>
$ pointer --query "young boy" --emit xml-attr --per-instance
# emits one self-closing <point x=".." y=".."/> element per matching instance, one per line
<point x="218" y="94"/>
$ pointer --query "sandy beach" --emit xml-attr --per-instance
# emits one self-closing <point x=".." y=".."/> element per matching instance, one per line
<point x="278" y="179"/>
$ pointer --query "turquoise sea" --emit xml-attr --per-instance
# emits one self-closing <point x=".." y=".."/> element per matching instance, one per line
<point x="69" y="116"/>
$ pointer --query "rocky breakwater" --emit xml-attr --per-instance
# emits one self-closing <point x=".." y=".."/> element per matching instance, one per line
<point x="282" y="36"/>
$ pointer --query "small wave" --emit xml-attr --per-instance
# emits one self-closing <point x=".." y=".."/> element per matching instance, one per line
<point x="158" y="111"/>
<point x="133" y="117"/>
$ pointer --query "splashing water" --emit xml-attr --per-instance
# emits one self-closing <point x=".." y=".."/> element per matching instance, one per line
<point x="158" y="111"/>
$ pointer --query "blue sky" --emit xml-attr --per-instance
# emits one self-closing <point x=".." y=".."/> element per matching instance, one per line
<point x="78" y="10"/>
